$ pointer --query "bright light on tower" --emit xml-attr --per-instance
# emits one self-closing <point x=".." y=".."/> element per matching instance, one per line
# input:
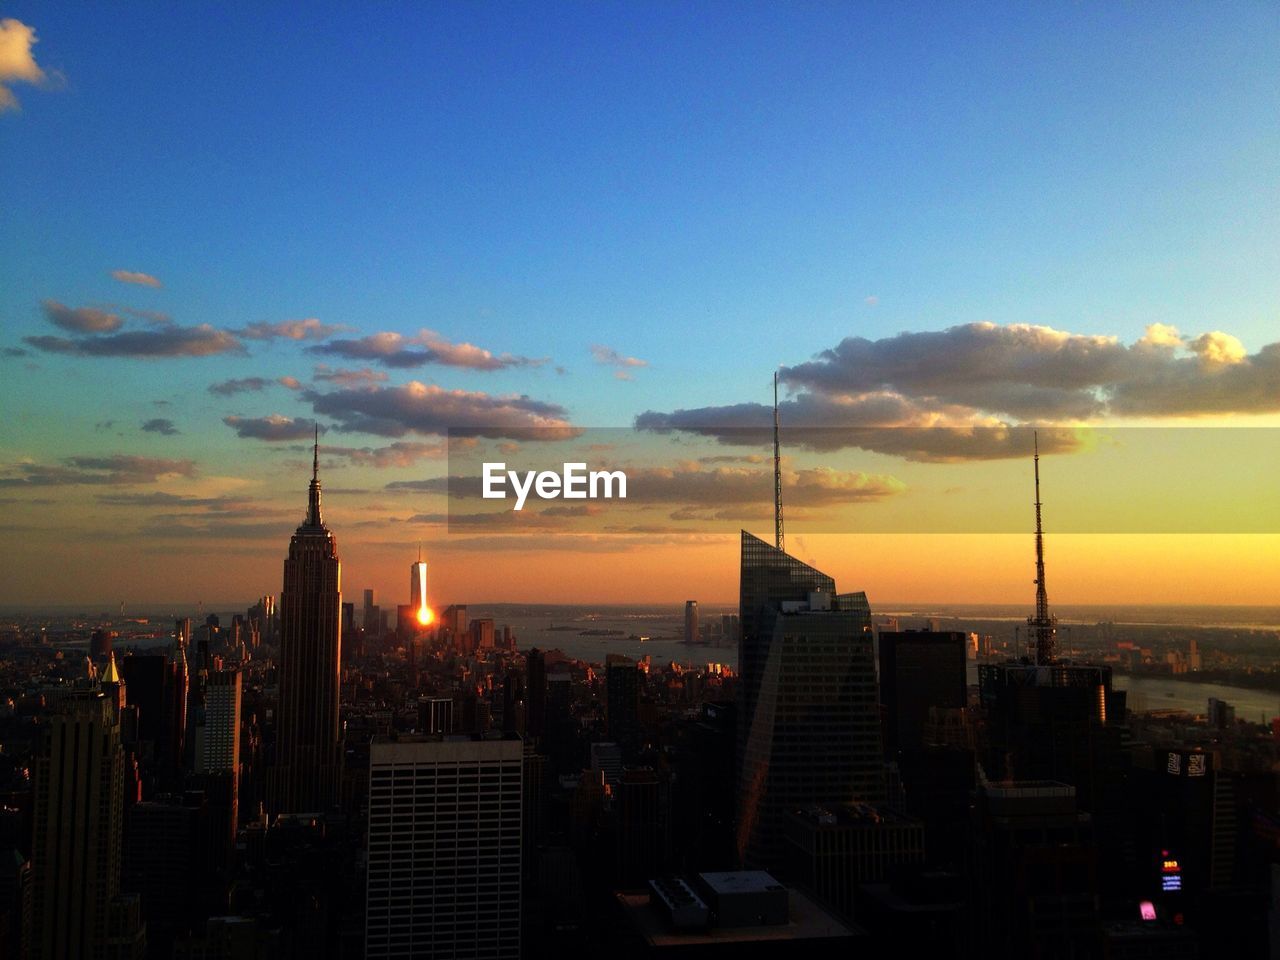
<point x="425" y="615"/>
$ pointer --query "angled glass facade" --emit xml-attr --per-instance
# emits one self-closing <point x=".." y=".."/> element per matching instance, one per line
<point x="809" y="727"/>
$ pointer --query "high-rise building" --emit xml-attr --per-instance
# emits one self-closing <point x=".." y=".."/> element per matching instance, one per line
<point x="919" y="669"/>
<point x="217" y="747"/>
<point x="444" y="860"/>
<point x="536" y="693"/>
<point x="808" y="716"/>
<point x="307" y="772"/>
<point x="691" y="621"/>
<point x="418" y="588"/>
<point x="622" y="701"/>
<point x="76" y="847"/>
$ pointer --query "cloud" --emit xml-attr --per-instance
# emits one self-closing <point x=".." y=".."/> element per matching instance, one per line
<point x="622" y="375"/>
<point x="227" y="388"/>
<point x="969" y="391"/>
<point x="612" y="358"/>
<point x="80" y="319"/>
<point x="396" y="350"/>
<point x="431" y="410"/>
<point x="17" y="62"/>
<point x="150" y="316"/>
<point x="349" y="378"/>
<point x="161" y="426"/>
<point x="402" y="453"/>
<point x="173" y="341"/>
<point x="273" y="428"/>
<point x="290" y="383"/>
<point x="14" y="352"/>
<point x="116" y="470"/>
<point x="871" y="301"/>
<point x="131" y="276"/>
<point x="309" y="329"/>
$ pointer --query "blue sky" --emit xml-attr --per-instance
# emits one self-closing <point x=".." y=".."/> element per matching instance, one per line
<point x="713" y="188"/>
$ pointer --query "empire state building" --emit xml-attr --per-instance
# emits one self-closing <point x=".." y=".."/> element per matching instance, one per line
<point x="308" y="766"/>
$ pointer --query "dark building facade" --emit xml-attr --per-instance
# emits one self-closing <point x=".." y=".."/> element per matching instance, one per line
<point x="307" y="773"/>
<point x="919" y="669"/>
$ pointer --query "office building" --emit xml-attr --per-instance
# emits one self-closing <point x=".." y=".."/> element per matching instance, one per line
<point x="444" y="861"/>
<point x="691" y="621"/>
<point x="919" y="669"/>
<point x="809" y="724"/>
<point x="77" y="907"/>
<point x="307" y="771"/>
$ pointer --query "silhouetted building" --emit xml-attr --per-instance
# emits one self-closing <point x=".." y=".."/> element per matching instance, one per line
<point x="622" y="701"/>
<point x="831" y="850"/>
<point x="691" y="621"/>
<point x="919" y="669"/>
<point x="99" y="645"/>
<point x="308" y="767"/>
<point x="536" y="693"/>
<point x="79" y="809"/>
<point x="444" y="861"/>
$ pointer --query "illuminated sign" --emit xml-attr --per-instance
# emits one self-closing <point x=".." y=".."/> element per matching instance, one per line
<point x="1174" y="765"/>
<point x="1196" y="766"/>
<point x="1170" y="875"/>
<point x="1147" y="909"/>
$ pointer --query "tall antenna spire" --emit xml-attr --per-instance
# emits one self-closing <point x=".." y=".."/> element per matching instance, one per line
<point x="313" y="493"/>
<point x="778" y="540"/>
<point x="1042" y="627"/>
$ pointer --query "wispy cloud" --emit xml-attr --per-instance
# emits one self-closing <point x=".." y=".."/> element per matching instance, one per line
<point x="160" y="425"/>
<point x="172" y="341"/>
<point x="133" y="276"/>
<point x="309" y="329"/>
<point x="349" y="378"/>
<point x="227" y="388"/>
<point x="115" y="470"/>
<point x="612" y="358"/>
<point x="396" y="350"/>
<point x="80" y="319"/>
<point x="274" y="427"/>
<point x="402" y="453"/>
<point x="429" y="409"/>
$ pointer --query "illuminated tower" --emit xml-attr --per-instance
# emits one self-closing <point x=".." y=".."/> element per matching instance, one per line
<point x="1041" y="628"/>
<point x="307" y="773"/>
<point x="418" y="589"/>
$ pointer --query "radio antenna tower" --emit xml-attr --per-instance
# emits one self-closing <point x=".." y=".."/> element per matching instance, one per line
<point x="1042" y="627"/>
<point x="778" y="540"/>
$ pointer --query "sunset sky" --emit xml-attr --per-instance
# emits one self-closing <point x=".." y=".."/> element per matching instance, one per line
<point x="613" y="224"/>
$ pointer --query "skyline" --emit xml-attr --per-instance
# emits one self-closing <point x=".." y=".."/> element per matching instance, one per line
<point x="391" y="231"/>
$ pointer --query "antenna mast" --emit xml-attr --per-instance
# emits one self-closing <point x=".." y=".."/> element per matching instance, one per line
<point x="1042" y="627"/>
<point x="777" y="473"/>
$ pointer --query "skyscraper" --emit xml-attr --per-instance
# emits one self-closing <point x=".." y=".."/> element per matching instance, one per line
<point x="418" y="589"/>
<point x="307" y="773"/>
<point x="622" y="701"/>
<point x="691" y="621"/>
<point x="808" y="727"/>
<point x="79" y="822"/>
<point x="444" y="847"/>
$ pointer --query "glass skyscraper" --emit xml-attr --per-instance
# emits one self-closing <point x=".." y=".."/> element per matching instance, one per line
<point x="808" y="720"/>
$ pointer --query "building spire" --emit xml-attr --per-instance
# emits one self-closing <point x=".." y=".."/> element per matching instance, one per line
<point x="1042" y="627"/>
<point x="313" y="494"/>
<point x="778" y="540"/>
